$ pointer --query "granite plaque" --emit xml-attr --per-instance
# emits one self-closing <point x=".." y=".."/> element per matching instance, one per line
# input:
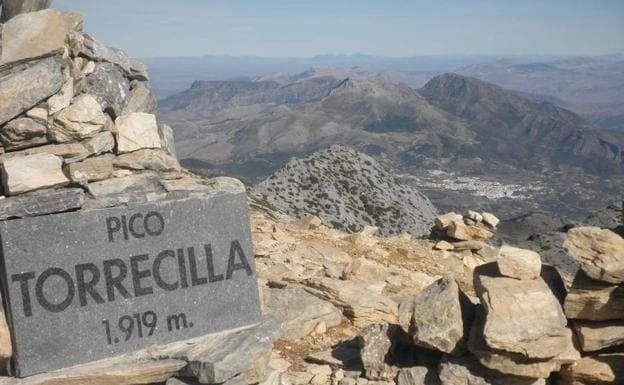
<point x="90" y="284"/>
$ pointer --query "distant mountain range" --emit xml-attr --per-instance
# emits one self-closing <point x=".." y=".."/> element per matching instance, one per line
<point x="454" y="124"/>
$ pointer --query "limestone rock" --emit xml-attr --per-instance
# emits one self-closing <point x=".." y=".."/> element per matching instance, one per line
<point x="594" y="336"/>
<point x="365" y="269"/>
<point x="98" y="52"/>
<point x="137" y="131"/>
<point x="109" y="86"/>
<point x="33" y="35"/>
<point x="518" y="263"/>
<point x="299" y="311"/>
<point x="41" y="203"/>
<point x="444" y="245"/>
<point x="375" y="346"/>
<point x="468" y="371"/>
<point x="28" y="173"/>
<point x="595" y="370"/>
<point x="22" y="133"/>
<point x="6" y="348"/>
<point x="523" y="317"/>
<point x="442" y="222"/>
<point x="12" y="8"/>
<point x="468" y="245"/>
<point x="26" y="85"/>
<point x="475" y="216"/>
<point x="91" y="169"/>
<point x="63" y="99"/>
<point x="458" y="230"/>
<point x="142" y="183"/>
<point x="140" y="99"/>
<point x="437" y="319"/>
<point x="147" y="159"/>
<point x="417" y="375"/>
<point x="81" y="120"/>
<point x="490" y="219"/>
<point x="599" y="252"/>
<point x="595" y="301"/>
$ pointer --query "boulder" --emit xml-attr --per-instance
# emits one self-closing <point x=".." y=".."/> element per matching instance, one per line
<point x="91" y="169"/>
<point x="137" y="131"/>
<point x="594" y="336"/>
<point x="437" y="320"/>
<point x="26" y="85"/>
<point x="81" y="120"/>
<point x="299" y="311"/>
<point x="375" y="346"/>
<point x="109" y="86"/>
<point x="33" y="35"/>
<point x="468" y="371"/>
<point x="41" y="202"/>
<point x="23" y="133"/>
<point x="594" y="301"/>
<point x="599" y="252"/>
<point x="147" y="159"/>
<point x="140" y="99"/>
<point x="33" y="172"/>
<point x="98" y="52"/>
<point x="518" y="263"/>
<point x="601" y="369"/>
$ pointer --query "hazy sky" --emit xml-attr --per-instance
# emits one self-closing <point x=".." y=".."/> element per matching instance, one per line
<point x="282" y="28"/>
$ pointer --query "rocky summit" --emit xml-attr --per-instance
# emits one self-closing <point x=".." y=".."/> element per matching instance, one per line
<point x="347" y="190"/>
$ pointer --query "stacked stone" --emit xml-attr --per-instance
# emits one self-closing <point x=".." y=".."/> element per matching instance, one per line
<point x="77" y="122"/>
<point x="595" y="305"/>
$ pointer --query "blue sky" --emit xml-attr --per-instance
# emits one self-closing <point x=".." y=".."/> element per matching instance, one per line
<point x="301" y="28"/>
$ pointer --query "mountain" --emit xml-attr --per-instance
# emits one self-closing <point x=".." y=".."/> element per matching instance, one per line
<point x="503" y="147"/>
<point x="347" y="190"/>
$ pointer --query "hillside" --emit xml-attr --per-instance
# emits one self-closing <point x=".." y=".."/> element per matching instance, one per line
<point x="347" y="190"/>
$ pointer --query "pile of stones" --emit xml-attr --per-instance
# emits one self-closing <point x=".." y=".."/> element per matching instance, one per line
<point x="78" y="124"/>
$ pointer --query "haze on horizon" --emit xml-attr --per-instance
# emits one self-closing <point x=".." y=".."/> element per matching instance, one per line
<point x="395" y="28"/>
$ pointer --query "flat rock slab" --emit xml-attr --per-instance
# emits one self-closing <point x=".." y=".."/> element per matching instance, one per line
<point x="41" y="203"/>
<point x="92" y="284"/>
<point x="594" y="336"/>
<point x="594" y="301"/>
<point x="599" y="252"/>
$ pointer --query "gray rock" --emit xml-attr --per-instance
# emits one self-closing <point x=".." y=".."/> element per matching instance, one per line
<point x="41" y="203"/>
<point x="299" y="311"/>
<point x="98" y="52"/>
<point x="147" y="159"/>
<point x="81" y="120"/>
<point x="90" y="169"/>
<point x="137" y="131"/>
<point x="26" y="85"/>
<point x="375" y="345"/>
<point x="140" y="99"/>
<point x="109" y="86"/>
<point x="166" y="137"/>
<point x="438" y="319"/>
<point x="224" y="356"/>
<point x="11" y="8"/>
<point x="142" y="183"/>
<point x="468" y="371"/>
<point x="417" y="375"/>
<point x="23" y="133"/>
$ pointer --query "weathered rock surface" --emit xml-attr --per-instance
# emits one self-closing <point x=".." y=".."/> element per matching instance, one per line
<point x="140" y="99"/>
<point x="417" y="375"/>
<point x="137" y="131"/>
<point x="518" y="263"/>
<point x="28" y="173"/>
<point x="604" y="369"/>
<point x="458" y="230"/>
<point x="91" y="169"/>
<point x="12" y="8"/>
<point x="375" y="345"/>
<point x="141" y="183"/>
<point x="109" y="86"/>
<point x="22" y="133"/>
<point x="437" y="319"/>
<point x="26" y="85"/>
<point x="468" y="371"/>
<point x="6" y="348"/>
<point x="98" y="52"/>
<point x="41" y="203"/>
<point x="595" y="301"/>
<point x="81" y="120"/>
<point x="299" y="311"/>
<point x="595" y="336"/>
<point x="147" y="159"/>
<point x="63" y="99"/>
<point x="599" y="252"/>
<point x="490" y="219"/>
<point x="442" y="222"/>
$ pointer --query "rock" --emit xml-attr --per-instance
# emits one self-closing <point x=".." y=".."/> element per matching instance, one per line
<point x="97" y="52"/>
<point x="550" y="247"/>
<point x="593" y="300"/>
<point x="475" y="216"/>
<point x="137" y="131"/>
<point x="34" y="35"/>
<point x="140" y="99"/>
<point x="417" y="375"/>
<point x="458" y="230"/>
<point x="365" y="270"/>
<point x="147" y="159"/>
<point x="522" y="317"/>
<point x="311" y="222"/>
<point x="299" y="311"/>
<point x="518" y="263"/>
<point x="63" y="99"/>
<point x="375" y="347"/>
<point x="81" y="120"/>
<point x="166" y="137"/>
<point x="443" y="245"/>
<point x="468" y="371"/>
<point x="90" y="169"/>
<point x="595" y="370"/>
<point x="142" y="183"/>
<point x="437" y="320"/>
<point x="599" y="252"/>
<point x="26" y="85"/>
<point x="109" y="86"/>
<point x="595" y="336"/>
<point x="468" y="245"/>
<point x="345" y="355"/>
<point x="22" y="133"/>
<point x="442" y="222"/>
<point x="12" y="8"/>
<point x="28" y="173"/>
<point x="6" y="348"/>
<point x="39" y="114"/>
<point x="41" y="203"/>
<point x="490" y="219"/>
<point x="220" y="357"/>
